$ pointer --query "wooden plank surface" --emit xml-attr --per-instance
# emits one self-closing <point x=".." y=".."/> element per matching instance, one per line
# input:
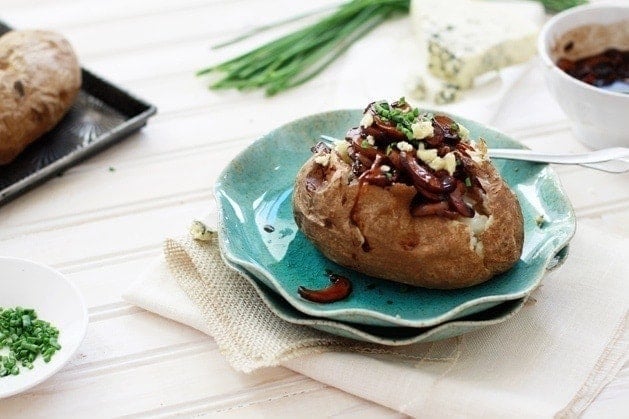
<point x="103" y="221"/>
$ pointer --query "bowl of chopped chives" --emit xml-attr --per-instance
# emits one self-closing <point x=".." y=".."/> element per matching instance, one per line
<point x="43" y="320"/>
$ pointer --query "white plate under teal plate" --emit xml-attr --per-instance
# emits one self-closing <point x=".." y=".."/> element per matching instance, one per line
<point x="383" y="335"/>
<point x="257" y="231"/>
<point x="29" y="284"/>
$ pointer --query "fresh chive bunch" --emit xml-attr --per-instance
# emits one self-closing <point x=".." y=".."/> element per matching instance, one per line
<point x="559" y="5"/>
<point x="26" y="337"/>
<point x="296" y="58"/>
<point x="299" y="56"/>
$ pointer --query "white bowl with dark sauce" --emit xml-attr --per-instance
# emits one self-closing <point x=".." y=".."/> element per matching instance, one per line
<point x="595" y="100"/>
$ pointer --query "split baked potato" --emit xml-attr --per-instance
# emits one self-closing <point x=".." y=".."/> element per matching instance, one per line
<point x="39" y="79"/>
<point x="410" y="198"/>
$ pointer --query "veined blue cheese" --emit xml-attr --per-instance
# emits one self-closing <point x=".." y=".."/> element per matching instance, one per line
<point x="468" y="38"/>
<point x="426" y="87"/>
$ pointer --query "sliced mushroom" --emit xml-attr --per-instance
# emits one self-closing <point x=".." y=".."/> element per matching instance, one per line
<point x="456" y="201"/>
<point x="339" y="289"/>
<point x="369" y="152"/>
<point x="375" y="176"/>
<point x="384" y="131"/>
<point x="423" y="179"/>
<point x="388" y="129"/>
<point x="438" y="192"/>
<point x="448" y="129"/>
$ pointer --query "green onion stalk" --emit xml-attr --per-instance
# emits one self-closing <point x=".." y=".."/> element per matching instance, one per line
<point x="294" y="59"/>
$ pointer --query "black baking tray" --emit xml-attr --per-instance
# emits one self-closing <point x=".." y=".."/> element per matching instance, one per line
<point x="101" y="115"/>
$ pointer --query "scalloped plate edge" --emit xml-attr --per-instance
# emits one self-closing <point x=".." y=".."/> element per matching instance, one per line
<point x="557" y="246"/>
<point x="437" y="332"/>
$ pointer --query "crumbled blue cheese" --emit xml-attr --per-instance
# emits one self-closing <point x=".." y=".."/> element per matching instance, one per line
<point x="385" y="168"/>
<point x="371" y="140"/>
<point x="423" y="129"/>
<point x="447" y="162"/>
<point x="322" y="159"/>
<point x="341" y="148"/>
<point x="199" y="231"/>
<point x="404" y="146"/>
<point x="426" y="87"/>
<point x="426" y="155"/>
<point x="467" y="38"/>
<point x="367" y="120"/>
<point x="430" y="157"/>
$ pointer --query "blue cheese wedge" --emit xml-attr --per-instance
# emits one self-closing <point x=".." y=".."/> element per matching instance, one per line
<point x="426" y="87"/>
<point x="465" y="39"/>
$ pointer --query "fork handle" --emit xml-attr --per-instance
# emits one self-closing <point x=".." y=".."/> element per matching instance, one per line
<point x="529" y="155"/>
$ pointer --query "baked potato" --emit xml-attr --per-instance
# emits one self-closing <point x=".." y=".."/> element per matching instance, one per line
<point x="410" y="198"/>
<point x="39" y="79"/>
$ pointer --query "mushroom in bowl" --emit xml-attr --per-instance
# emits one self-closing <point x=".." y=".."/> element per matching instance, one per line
<point x="584" y="51"/>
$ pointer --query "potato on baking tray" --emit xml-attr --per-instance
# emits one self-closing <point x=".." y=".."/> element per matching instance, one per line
<point x="409" y="197"/>
<point x="39" y="79"/>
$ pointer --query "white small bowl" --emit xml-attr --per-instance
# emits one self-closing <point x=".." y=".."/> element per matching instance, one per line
<point x="56" y="300"/>
<point x="599" y="117"/>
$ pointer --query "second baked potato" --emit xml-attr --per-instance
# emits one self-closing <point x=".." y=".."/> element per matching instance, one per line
<point x="39" y="79"/>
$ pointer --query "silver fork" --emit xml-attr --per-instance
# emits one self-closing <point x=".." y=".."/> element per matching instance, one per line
<point x="611" y="160"/>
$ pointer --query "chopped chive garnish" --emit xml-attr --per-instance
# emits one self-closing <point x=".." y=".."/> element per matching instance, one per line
<point x="402" y="118"/>
<point x="26" y="337"/>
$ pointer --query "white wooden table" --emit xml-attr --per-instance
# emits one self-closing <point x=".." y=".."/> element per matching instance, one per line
<point x="104" y="220"/>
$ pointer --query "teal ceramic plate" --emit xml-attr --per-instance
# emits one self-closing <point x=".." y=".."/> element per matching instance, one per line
<point x="383" y="335"/>
<point x="258" y="233"/>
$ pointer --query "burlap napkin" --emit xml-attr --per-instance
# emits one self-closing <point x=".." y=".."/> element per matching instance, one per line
<point x="552" y="358"/>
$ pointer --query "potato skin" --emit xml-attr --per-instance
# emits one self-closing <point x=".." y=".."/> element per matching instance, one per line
<point x="430" y="251"/>
<point x="39" y="79"/>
